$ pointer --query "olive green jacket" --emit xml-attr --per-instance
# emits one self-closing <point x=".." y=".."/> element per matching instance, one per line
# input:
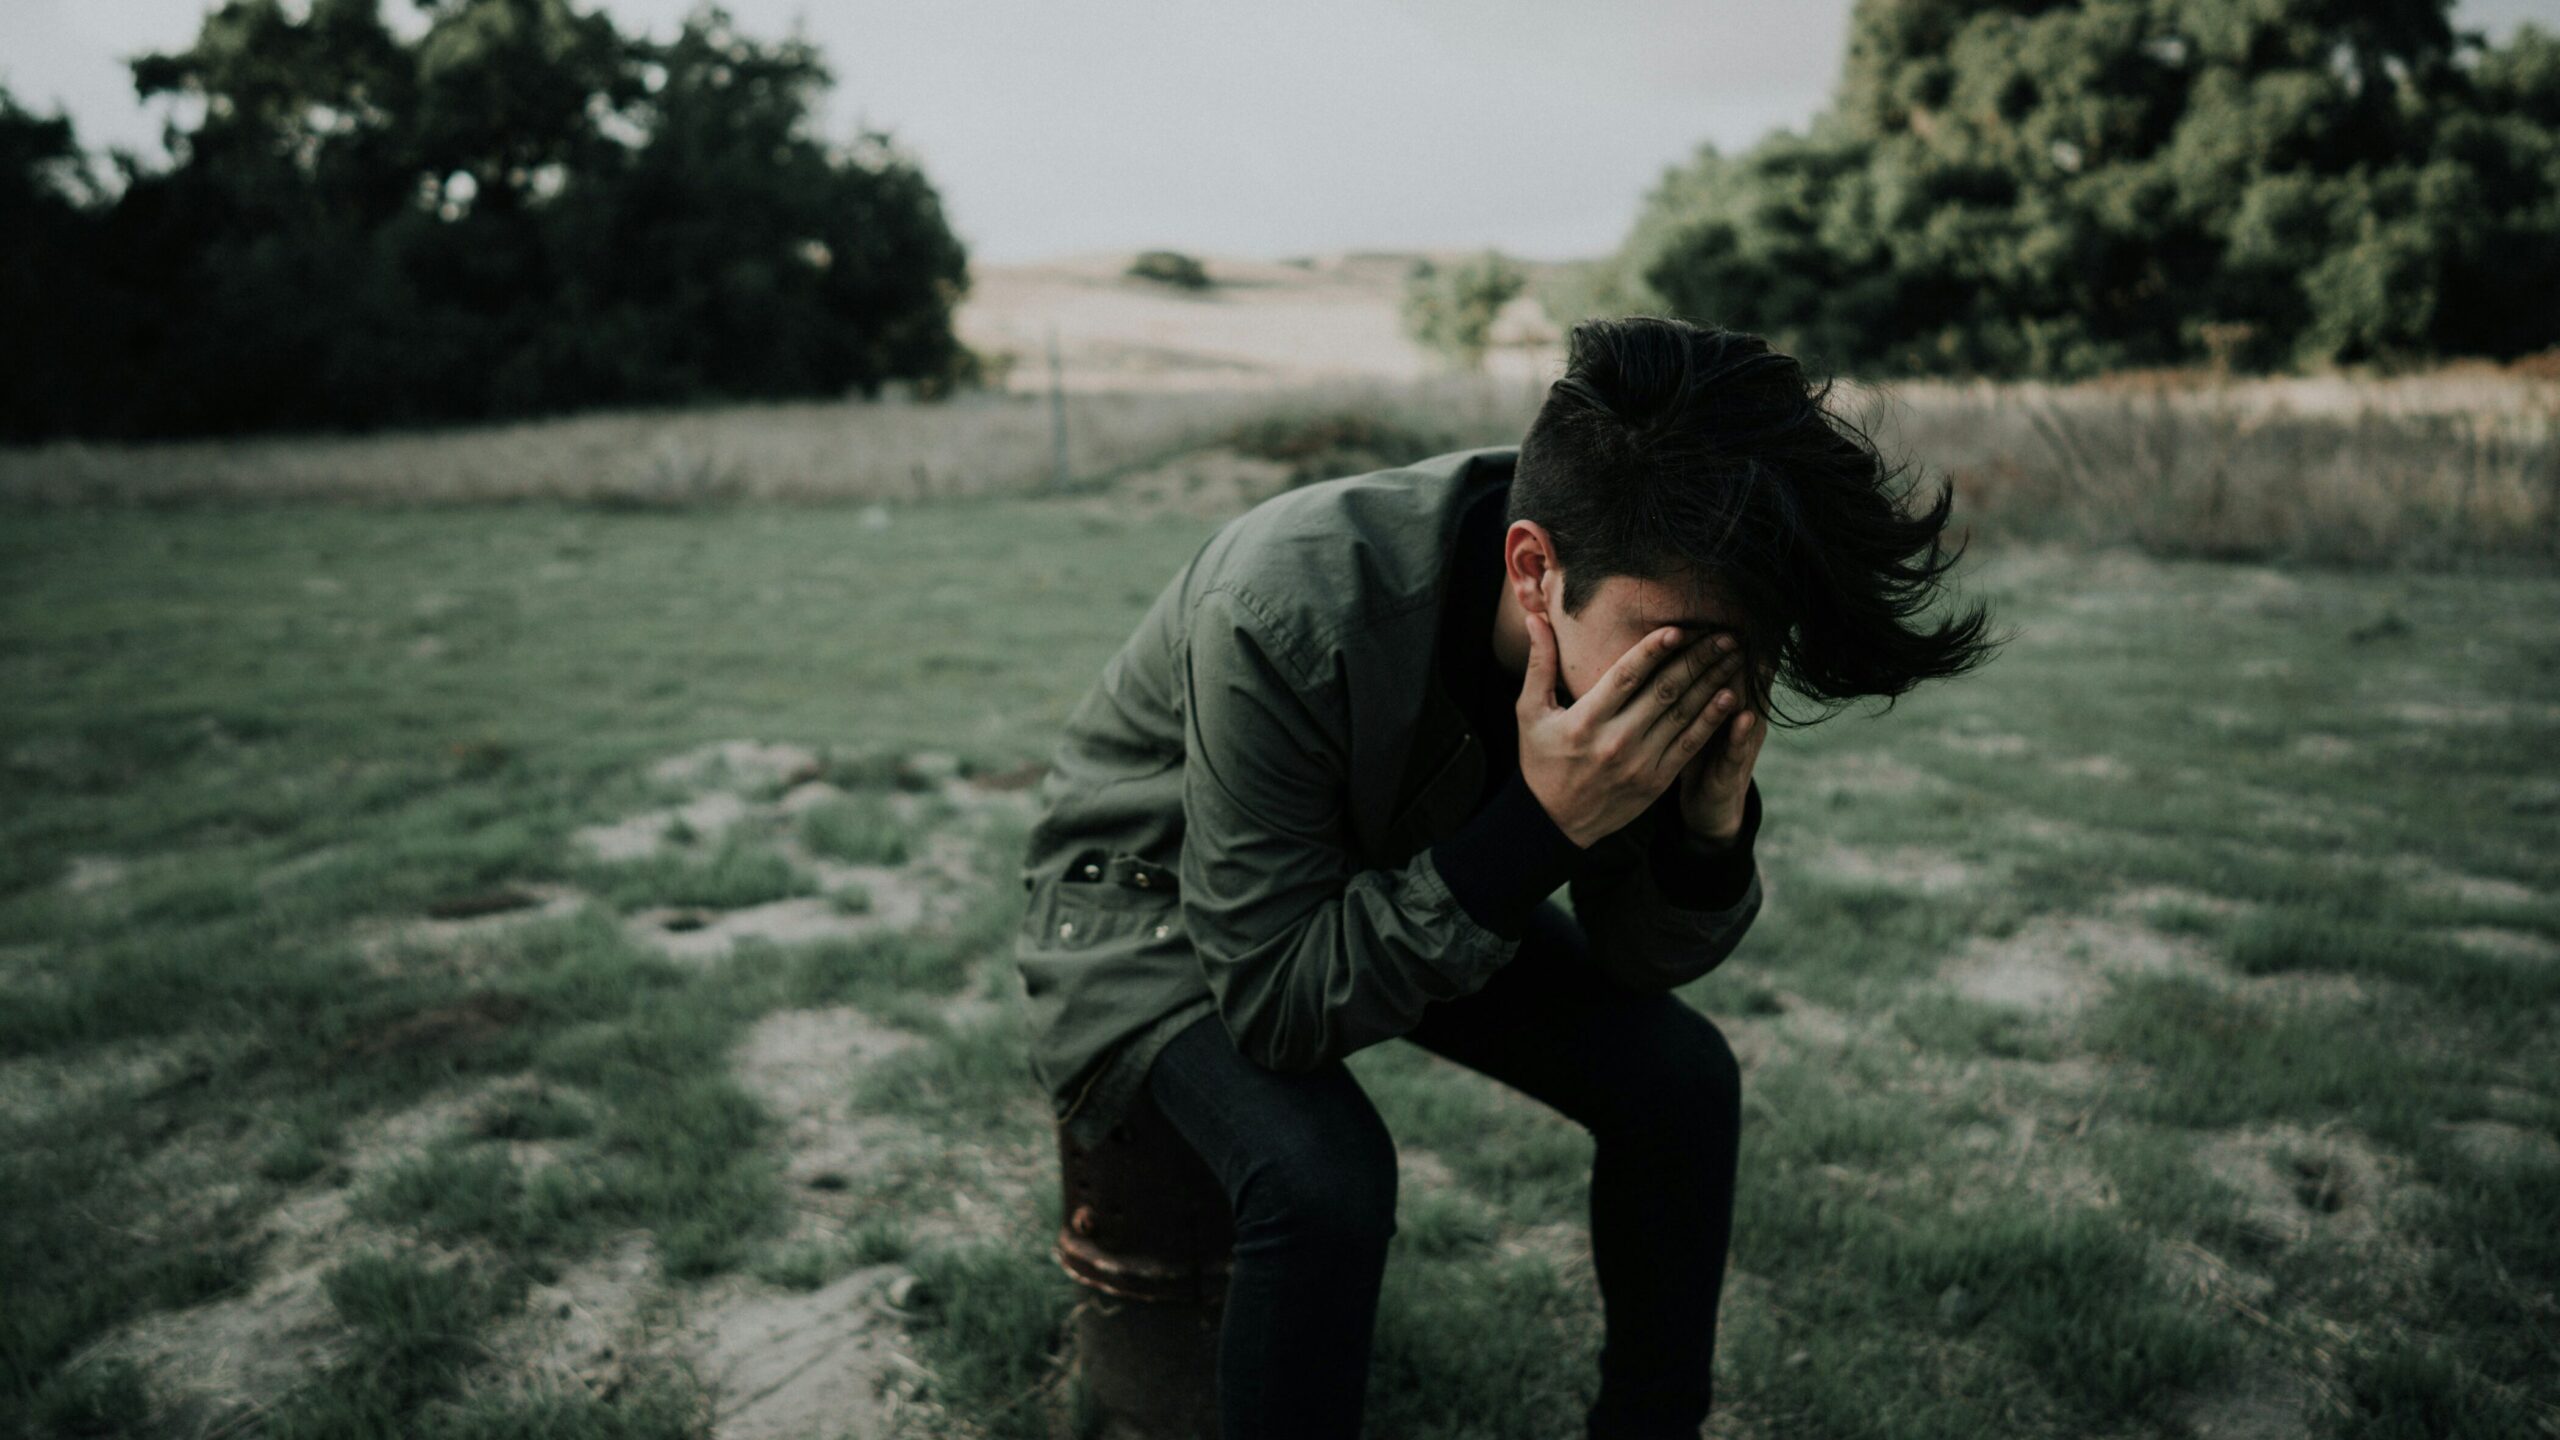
<point x="1238" y="818"/>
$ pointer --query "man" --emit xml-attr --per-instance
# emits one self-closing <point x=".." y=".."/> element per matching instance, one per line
<point x="1320" y="799"/>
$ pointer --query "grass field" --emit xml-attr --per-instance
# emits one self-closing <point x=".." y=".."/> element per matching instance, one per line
<point x="529" y="970"/>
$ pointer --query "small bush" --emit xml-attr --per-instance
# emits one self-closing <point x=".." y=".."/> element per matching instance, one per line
<point x="1449" y="310"/>
<point x="1170" y="267"/>
<point x="1325" y="444"/>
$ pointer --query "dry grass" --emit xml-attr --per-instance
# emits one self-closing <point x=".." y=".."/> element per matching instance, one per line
<point x="888" y="450"/>
<point x="2420" y="470"/>
<point x="2430" y="469"/>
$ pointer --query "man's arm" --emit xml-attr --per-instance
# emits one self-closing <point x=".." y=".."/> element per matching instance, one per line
<point x="1662" y="906"/>
<point x="1310" y="957"/>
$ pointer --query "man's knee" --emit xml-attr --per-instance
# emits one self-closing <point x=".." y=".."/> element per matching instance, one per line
<point x="1333" y="1190"/>
<point x="1684" y="1083"/>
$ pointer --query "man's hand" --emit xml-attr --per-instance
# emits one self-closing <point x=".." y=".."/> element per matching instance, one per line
<point x="1714" y="784"/>
<point x="1597" y="764"/>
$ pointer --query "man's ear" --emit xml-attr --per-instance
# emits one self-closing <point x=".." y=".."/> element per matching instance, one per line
<point x="1529" y="568"/>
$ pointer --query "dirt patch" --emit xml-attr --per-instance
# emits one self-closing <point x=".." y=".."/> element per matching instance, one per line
<point x="641" y="836"/>
<point x="802" y="1065"/>
<point x="928" y="886"/>
<point x="738" y="765"/>
<point x="32" y="1085"/>
<point x="809" y="795"/>
<point x="2328" y="1186"/>
<point x="783" y="1364"/>
<point x="241" y="1352"/>
<point x="934" y="884"/>
<point x="931" y="887"/>
<point x="2062" y="964"/>
<point x="2201" y="1274"/>
<point x="2044" y="829"/>
<point x="2255" y="1403"/>
<point x="2434" y="882"/>
<point x="1990" y="744"/>
<point x="1913" y="868"/>
<point x="2535" y="797"/>
<point x="2144" y="899"/>
<point x="386" y="943"/>
<point x="2521" y="945"/>
<point x="2327" y="749"/>
<point x="2307" y="991"/>
<point x="2497" y="1144"/>
<point x="2029" y="1152"/>
<point x="689" y="933"/>
<point x="1864" y="774"/>
<point x="1418" y="1168"/>
<point x="2092" y="767"/>
<point x="87" y="874"/>
<point x="2435" y="714"/>
<point x="1755" y="1042"/>
<point x="592" y="1327"/>
<point x="823" y="1362"/>
<point x="1810" y="1026"/>
<point x="1561" y="1243"/>
<point x="245" y="1350"/>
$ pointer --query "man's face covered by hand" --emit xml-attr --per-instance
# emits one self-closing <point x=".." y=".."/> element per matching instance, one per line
<point x="1621" y="612"/>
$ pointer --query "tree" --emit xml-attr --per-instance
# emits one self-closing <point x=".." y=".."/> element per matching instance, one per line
<point x="518" y="211"/>
<point x="2029" y="187"/>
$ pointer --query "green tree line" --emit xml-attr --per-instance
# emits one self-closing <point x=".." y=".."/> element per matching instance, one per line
<point x="512" y="209"/>
<point x="2061" y="187"/>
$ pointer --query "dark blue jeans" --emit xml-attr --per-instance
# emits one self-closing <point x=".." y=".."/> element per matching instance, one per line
<point x="1310" y="1175"/>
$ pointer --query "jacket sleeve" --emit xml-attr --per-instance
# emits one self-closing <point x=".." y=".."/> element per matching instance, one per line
<point x="1310" y="957"/>
<point x="1659" y="910"/>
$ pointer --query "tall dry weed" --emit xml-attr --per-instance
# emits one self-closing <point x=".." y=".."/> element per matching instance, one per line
<point x="2431" y="470"/>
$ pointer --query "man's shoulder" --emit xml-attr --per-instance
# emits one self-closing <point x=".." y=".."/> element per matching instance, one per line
<point x="1323" y="562"/>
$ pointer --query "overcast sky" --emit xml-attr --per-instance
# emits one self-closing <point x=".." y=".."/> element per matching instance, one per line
<point x="1287" y="128"/>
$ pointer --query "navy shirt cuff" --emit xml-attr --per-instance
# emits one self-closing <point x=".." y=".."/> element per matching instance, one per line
<point x="1508" y="859"/>
<point x="1693" y="875"/>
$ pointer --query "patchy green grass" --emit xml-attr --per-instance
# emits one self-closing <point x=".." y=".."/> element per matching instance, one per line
<point x="247" y="750"/>
<point x="809" y="1264"/>
<point x="859" y="829"/>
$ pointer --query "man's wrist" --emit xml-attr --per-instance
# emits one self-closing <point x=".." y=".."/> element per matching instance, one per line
<point x="1692" y="872"/>
<point x="1710" y="843"/>
<point x="1508" y="859"/>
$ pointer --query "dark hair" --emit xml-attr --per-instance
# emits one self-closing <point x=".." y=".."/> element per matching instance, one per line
<point x="1673" y="449"/>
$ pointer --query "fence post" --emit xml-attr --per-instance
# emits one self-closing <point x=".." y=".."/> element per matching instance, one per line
<point x="1057" y="415"/>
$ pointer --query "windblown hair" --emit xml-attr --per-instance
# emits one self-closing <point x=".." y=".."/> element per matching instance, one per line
<point x="1673" y="450"/>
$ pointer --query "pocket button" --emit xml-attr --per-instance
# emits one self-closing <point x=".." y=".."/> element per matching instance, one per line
<point x="1066" y="929"/>
<point x="1163" y="930"/>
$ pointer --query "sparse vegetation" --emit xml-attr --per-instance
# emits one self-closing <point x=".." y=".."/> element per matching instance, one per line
<point x="2281" y="1116"/>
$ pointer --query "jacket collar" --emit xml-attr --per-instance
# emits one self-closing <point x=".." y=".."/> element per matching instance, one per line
<point x="1443" y="765"/>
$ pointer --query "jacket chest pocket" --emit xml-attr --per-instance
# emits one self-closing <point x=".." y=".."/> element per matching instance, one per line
<point x="1121" y="899"/>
